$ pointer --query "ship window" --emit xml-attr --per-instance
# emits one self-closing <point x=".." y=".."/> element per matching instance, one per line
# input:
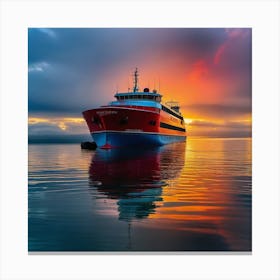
<point x="124" y="120"/>
<point x="95" y="120"/>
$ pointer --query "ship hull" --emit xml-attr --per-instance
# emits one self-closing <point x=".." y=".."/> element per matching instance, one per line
<point x="114" y="139"/>
<point x="112" y="126"/>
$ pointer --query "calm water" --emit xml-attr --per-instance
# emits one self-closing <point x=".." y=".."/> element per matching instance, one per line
<point x="193" y="196"/>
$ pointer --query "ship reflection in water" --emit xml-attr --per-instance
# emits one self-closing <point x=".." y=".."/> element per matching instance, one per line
<point x="135" y="178"/>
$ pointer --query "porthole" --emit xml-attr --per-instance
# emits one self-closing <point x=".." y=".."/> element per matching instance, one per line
<point x="152" y="122"/>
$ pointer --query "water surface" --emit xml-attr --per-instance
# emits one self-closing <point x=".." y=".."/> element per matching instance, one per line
<point x="193" y="196"/>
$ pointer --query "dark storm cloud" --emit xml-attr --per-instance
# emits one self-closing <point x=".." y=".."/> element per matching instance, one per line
<point x="91" y="49"/>
<point x="44" y="129"/>
<point x="201" y="42"/>
<point x="72" y="69"/>
<point x="233" y="61"/>
<point x="67" y="66"/>
<point x="75" y="60"/>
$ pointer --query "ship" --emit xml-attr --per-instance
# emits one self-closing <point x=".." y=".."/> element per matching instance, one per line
<point x="136" y="118"/>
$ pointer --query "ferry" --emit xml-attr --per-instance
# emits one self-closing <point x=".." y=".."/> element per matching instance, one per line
<point x="136" y="118"/>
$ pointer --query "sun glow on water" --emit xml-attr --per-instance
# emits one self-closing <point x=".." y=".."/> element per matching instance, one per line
<point x="188" y="121"/>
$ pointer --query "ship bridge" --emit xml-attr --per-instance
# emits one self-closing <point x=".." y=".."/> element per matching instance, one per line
<point x="138" y="98"/>
<point x="138" y="95"/>
<point x="145" y="95"/>
<point x="145" y="98"/>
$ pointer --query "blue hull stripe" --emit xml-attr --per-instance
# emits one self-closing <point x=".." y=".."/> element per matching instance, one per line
<point x="116" y="139"/>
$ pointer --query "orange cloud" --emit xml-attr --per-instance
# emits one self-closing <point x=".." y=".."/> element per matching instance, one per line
<point x="67" y="124"/>
<point x="199" y="71"/>
<point x="219" y="53"/>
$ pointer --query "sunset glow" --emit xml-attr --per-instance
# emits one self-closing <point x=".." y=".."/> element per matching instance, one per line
<point x="208" y="71"/>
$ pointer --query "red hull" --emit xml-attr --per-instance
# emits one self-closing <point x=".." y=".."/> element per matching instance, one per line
<point x="133" y="119"/>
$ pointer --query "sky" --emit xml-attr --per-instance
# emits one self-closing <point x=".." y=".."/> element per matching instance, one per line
<point x="207" y="70"/>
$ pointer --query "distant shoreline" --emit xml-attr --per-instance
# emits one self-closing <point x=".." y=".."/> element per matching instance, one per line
<point x="57" y="139"/>
<point x="77" y="139"/>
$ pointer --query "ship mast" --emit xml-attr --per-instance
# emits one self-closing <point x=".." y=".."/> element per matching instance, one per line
<point x="135" y="88"/>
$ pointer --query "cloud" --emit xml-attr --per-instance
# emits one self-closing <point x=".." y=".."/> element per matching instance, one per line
<point x="219" y="53"/>
<point x="56" y="125"/>
<point x="220" y="111"/>
<point x="48" y="32"/>
<point x="208" y="70"/>
<point x="226" y="75"/>
<point x="38" y="67"/>
<point x="236" y="39"/>
<point x="88" y="63"/>
<point x="220" y="129"/>
<point x="44" y="129"/>
<point x="233" y="61"/>
<point x="199" y="70"/>
<point x="197" y="43"/>
<point x="226" y="124"/>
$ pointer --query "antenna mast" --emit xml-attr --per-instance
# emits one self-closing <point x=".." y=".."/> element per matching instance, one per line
<point x="135" y="88"/>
